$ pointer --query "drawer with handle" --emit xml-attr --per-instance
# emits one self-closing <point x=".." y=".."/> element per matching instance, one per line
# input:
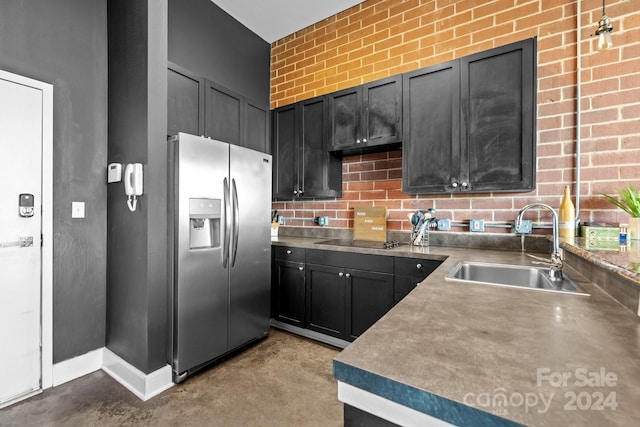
<point x="409" y="272"/>
<point x="415" y="267"/>
<point x="287" y="253"/>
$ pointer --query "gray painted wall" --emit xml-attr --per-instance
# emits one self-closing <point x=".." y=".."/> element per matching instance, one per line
<point x="64" y="42"/>
<point x="209" y="42"/>
<point x="137" y="286"/>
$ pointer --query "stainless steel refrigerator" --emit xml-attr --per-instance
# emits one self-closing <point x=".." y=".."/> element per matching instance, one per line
<point x="219" y="238"/>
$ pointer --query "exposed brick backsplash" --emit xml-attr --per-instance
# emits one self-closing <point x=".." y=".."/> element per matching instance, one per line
<point x="379" y="38"/>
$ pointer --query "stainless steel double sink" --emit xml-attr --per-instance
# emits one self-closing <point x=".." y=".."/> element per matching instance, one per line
<point x="519" y="276"/>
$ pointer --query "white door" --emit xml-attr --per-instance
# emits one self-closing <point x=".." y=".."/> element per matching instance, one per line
<point x="21" y="136"/>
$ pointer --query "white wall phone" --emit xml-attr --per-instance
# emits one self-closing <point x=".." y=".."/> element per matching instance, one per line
<point x="133" y="184"/>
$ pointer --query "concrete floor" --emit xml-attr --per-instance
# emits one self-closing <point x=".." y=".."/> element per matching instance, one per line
<point x="284" y="380"/>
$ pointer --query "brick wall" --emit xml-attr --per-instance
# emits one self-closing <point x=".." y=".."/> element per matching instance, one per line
<point x="379" y="38"/>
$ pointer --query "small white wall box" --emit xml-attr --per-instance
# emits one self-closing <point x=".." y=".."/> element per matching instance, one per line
<point x="114" y="172"/>
<point x="77" y="209"/>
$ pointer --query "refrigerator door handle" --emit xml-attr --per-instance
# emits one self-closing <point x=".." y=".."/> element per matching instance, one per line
<point x="236" y="221"/>
<point x="227" y="223"/>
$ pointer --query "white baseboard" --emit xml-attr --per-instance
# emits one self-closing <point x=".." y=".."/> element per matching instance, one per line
<point x="145" y="386"/>
<point x="386" y="409"/>
<point x="77" y="367"/>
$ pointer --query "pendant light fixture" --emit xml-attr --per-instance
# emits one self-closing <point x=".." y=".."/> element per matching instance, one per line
<point x="604" y="30"/>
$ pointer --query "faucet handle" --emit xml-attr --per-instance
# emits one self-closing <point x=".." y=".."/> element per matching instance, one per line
<point x="539" y="259"/>
<point x="555" y="271"/>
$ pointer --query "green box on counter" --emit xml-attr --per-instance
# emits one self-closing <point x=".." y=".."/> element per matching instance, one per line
<point x="602" y="244"/>
<point x="600" y="231"/>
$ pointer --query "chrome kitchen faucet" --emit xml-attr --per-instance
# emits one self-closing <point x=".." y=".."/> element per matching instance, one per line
<point x="555" y="272"/>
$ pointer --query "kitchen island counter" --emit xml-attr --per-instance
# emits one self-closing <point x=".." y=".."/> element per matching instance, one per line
<point x="474" y="354"/>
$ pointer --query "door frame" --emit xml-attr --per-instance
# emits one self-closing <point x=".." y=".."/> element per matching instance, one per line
<point x="46" y="282"/>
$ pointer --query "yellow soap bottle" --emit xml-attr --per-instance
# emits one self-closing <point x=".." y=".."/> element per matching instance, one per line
<point x="567" y="215"/>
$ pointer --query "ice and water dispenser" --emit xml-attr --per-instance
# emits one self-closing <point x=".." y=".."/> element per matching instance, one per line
<point x="204" y="223"/>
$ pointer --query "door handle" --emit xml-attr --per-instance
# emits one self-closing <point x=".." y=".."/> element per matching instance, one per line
<point x="227" y="223"/>
<point x="22" y="242"/>
<point x="236" y="221"/>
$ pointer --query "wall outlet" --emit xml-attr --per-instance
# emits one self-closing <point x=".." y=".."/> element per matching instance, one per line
<point x="476" y="225"/>
<point x="322" y="220"/>
<point x="444" y="224"/>
<point x="525" y="227"/>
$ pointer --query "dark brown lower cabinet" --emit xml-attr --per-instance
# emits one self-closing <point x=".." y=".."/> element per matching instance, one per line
<point x="347" y="292"/>
<point x="354" y="417"/>
<point x="340" y="294"/>
<point x="343" y="303"/>
<point x="288" y="285"/>
<point x="369" y="297"/>
<point x="326" y="295"/>
<point x="288" y="304"/>
<point x="409" y="272"/>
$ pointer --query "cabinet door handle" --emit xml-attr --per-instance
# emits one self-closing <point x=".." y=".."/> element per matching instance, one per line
<point x="364" y="140"/>
<point x="300" y="268"/>
<point x="300" y="192"/>
<point x="418" y="266"/>
<point x="465" y="185"/>
<point x="289" y="252"/>
<point x="454" y="184"/>
<point x="341" y="274"/>
<point x="348" y="275"/>
<point x="295" y="192"/>
<point x="357" y="141"/>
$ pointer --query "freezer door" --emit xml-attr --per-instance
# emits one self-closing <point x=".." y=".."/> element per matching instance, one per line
<point x="200" y="220"/>
<point x="250" y="252"/>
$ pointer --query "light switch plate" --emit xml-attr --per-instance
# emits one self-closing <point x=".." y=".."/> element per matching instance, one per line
<point x="77" y="209"/>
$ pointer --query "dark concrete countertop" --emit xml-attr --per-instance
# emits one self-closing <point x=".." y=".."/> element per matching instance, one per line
<point x="624" y="260"/>
<point x="452" y="350"/>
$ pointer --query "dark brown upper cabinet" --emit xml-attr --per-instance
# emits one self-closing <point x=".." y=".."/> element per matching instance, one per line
<point x="223" y="114"/>
<point x="431" y="152"/>
<point x="285" y="149"/>
<point x="185" y="93"/>
<point x="367" y="117"/>
<point x="469" y="124"/>
<point x="201" y="107"/>
<point x="303" y="168"/>
<point x="256" y="126"/>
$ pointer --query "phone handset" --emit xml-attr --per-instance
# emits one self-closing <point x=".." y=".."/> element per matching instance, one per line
<point x="133" y="184"/>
